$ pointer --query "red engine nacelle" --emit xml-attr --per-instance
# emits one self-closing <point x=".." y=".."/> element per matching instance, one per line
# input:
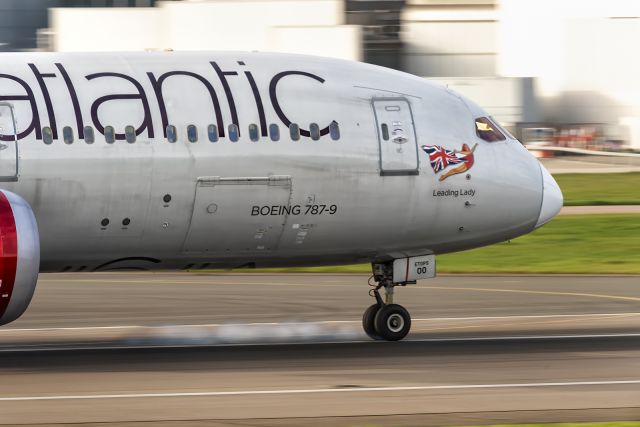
<point x="19" y="256"/>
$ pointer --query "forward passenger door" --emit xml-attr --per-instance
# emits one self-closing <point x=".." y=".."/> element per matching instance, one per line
<point x="396" y="136"/>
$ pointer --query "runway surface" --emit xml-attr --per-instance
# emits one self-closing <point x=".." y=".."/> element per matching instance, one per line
<point x="591" y="164"/>
<point x="249" y="349"/>
<point x="600" y="210"/>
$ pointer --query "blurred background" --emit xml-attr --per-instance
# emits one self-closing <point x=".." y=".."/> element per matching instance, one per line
<point x="561" y="74"/>
<point x="556" y="309"/>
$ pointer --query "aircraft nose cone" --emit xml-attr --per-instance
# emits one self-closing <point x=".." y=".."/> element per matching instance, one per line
<point x="551" y="198"/>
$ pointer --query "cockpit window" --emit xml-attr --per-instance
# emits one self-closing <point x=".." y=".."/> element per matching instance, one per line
<point x="501" y="128"/>
<point x="486" y="130"/>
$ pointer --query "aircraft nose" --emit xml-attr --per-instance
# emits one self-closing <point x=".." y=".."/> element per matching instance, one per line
<point x="551" y="198"/>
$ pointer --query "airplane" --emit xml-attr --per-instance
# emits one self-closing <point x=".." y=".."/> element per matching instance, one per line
<point x="206" y="160"/>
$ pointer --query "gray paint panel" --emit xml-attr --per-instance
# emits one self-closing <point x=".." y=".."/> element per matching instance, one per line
<point x="220" y="202"/>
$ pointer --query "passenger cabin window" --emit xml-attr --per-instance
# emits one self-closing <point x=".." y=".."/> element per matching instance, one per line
<point x="253" y="132"/>
<point x="171" y="134"/>
<point x="89" y="136"/>
<point x="67" y="135"/>
<point x="274" y="132"/>
<point x="334" y="130"/>
<point x="487" y="131"/>
<point x="109" y="134"/>
<point x="192" y="133"/>
<point x="294" y="131"/>
<point x="47" y="135"/>
<point x="314" y="130"/>
<point x="212" y="131"/>
<point x="234" y="134"/>
<point x="385" y="131"/>
<point x="130" y="134"/>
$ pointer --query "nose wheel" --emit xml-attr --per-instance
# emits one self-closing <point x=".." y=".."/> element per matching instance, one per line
<point x="368" y="322"/>
<point x="393" y="322"/>
<point x="385" y="320"/>
<point x="390" y="322"/>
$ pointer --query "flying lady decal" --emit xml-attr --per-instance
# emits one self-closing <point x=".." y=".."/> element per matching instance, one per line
<point x="441" y="159"/>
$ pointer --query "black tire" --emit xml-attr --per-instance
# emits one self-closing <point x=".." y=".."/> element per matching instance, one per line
<point x="368" y="321"/>
<point x="392" y="322"/>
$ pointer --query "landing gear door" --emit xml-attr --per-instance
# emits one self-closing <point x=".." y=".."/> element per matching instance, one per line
<point x="8" y="144"/>
<point x="396" y="136"/>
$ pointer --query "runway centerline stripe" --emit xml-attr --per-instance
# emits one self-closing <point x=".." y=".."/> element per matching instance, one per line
<point x="526" y="291"/>
<point x="318" y="390"/>
<point x="215" y="282"/>
<point x="311" y="322"/>
<point x="189" y="282"/>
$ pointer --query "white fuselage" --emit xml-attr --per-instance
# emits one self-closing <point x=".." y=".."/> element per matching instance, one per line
<point x="156" y="204"/>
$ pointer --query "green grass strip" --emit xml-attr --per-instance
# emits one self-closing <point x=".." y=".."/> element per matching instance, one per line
<point x="573" y="244"/>
<point x="568" y="244"/>
<point x="605" y="424"/>
<point x="583" y="189"/>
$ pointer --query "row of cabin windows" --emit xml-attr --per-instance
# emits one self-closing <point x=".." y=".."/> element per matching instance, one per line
<point x="254" y="132"/>
<point x="192" y="133"/>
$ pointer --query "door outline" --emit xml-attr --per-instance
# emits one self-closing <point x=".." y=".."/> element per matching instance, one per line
<point x="11" y="178"/>
<point x="395" y="172"/>
<point x="273" y="181"/>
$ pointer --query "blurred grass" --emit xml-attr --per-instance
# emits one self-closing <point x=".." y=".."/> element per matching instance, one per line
<point x="568" y="244"/>
<point x="581" y="189"/>
<point x="600" y="424"/>
<point x="605" y="424"/>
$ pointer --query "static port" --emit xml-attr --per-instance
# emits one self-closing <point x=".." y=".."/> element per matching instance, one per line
<point x="126" y="221"/>
<point x="104" y="222"/>
<point x="167" y="198"/>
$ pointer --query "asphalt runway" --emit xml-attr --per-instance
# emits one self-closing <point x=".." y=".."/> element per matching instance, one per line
<point x="600" y="210"/>
<point x="591" y="164"/>
<point x="265" y="350"/>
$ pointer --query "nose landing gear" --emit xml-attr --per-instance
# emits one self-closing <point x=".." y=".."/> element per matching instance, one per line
<point x="385" y="320"/>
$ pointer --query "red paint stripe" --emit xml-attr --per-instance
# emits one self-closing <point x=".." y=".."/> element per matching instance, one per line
<point x="8" y="252"/>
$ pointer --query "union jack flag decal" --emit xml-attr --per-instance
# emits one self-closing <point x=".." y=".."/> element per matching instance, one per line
<point x="441" y="157"/>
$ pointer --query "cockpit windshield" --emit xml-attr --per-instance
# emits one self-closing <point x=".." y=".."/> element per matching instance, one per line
<point x="501" y="128"/>
<point x="488" y="131"/>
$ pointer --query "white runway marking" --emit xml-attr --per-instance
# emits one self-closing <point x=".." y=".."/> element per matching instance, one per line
<point x="533" y="316"/>
<point x="322" y="322"/>
<point x="193" y="282"/>
<point x="319" y="390"/>
<point x="527" y="337"/>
